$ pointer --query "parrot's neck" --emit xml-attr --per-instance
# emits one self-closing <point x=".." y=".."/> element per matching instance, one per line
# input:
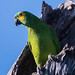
<point x="35" y="24"/>
<point x="38" y="28"/>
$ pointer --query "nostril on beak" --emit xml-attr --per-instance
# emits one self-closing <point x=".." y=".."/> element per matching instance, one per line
<point x="15" y="17"/>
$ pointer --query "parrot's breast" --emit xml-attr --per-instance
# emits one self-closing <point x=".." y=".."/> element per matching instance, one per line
<point x="41" y="46"/>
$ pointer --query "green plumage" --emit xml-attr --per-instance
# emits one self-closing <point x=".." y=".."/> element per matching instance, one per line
<point x="42" y="39"/>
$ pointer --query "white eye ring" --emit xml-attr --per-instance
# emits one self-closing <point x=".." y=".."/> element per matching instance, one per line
<point x="20" y="14"/>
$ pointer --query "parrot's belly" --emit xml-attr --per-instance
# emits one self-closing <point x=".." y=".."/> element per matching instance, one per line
<point x="41" y="47"/>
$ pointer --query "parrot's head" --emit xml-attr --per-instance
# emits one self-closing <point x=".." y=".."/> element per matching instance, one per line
<point x="25" y="18"/>
<point x="21" y="18"/>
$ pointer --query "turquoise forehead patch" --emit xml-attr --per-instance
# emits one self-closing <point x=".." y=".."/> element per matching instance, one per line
<point x="16" y="15"/>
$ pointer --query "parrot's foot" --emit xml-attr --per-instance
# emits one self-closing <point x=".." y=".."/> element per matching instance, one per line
<point x="40" y="70"/>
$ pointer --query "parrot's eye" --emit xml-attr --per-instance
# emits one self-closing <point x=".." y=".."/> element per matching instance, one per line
<point x="20" y="14"/>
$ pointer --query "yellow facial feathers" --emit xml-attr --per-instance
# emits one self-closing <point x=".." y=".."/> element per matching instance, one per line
<point x="21" y="16"/>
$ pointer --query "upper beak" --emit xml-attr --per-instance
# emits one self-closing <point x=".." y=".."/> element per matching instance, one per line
<point x="17" y="21"/>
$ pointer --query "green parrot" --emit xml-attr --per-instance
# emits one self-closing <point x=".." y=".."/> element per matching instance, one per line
<point x="42" y="38"/>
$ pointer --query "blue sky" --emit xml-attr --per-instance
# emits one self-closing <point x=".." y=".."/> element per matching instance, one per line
<point x="13" y="38"/>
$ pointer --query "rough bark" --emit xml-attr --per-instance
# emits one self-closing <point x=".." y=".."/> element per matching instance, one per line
<point x="24" y="64"/>
<point x="63" y="20"/>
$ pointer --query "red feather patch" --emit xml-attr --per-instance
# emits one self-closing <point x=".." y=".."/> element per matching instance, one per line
<point x="49" y="25"/>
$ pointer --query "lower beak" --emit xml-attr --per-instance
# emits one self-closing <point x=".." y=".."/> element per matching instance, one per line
<point x="17" y="21"/>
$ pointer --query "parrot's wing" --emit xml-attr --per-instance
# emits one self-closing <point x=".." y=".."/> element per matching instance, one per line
<point x="55" y="39"/>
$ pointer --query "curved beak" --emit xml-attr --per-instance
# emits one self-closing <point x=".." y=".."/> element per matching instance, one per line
<point x="17" y="21"/>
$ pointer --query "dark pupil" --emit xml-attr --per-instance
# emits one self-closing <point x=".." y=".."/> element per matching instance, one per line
<point x="20" y="14"/>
